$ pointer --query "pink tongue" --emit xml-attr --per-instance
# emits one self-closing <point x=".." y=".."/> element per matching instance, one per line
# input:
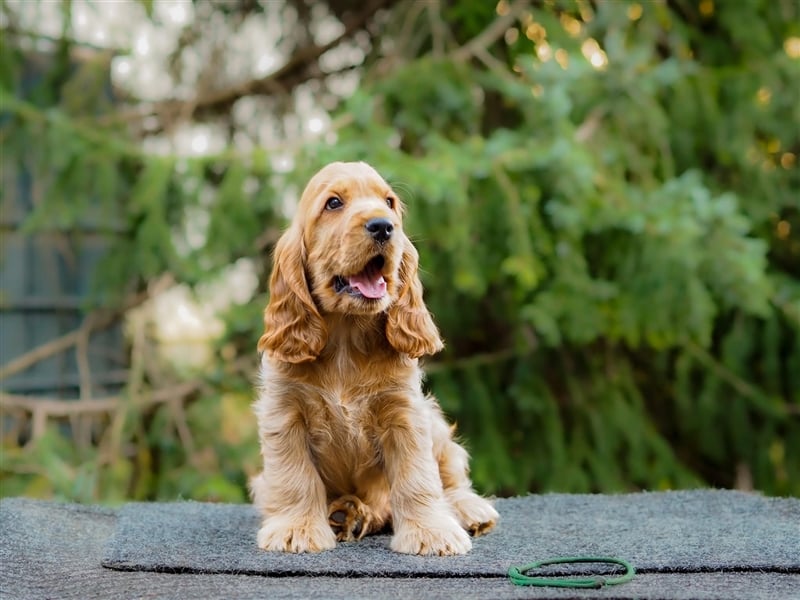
<point x="369" y="287"/>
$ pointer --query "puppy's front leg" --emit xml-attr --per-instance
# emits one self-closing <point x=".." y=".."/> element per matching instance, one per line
<point x="422" y="519"/>
<point x="289" y="491"/>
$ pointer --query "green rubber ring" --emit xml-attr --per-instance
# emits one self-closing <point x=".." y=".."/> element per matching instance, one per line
<point x="518" y="576"/>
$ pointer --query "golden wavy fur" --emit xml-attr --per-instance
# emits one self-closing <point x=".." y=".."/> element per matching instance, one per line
<point x="350" y="443"/>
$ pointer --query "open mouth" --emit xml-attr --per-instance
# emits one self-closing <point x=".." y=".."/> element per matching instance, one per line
<point x="369" y="283"/>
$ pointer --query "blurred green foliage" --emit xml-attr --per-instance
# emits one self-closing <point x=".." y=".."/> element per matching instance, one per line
<point x="607" y="208"/>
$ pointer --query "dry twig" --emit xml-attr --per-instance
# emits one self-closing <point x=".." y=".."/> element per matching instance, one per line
<point x="94" y="322"/>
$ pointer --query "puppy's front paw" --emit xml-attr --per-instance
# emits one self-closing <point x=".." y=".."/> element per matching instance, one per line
<point x="442" y="536"/>
<point x="282" y="535"/>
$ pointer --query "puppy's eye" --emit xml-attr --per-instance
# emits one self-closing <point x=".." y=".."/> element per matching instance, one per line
<point x="390" y="201"/>
<point x="333" y="203"/>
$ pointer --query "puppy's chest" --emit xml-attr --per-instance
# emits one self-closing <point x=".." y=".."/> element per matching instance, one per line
<point x="346" y="394"/>
<point x="349" y="385"/>
<point x="342" y="437"/>
<point x="347" y="408"/>
<point x="346" y="411"/>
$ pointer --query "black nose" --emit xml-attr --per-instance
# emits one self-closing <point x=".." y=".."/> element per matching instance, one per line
<point x="380" y="229"/>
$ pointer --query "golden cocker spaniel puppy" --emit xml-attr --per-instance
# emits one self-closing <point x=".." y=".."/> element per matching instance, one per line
<point x="350" y="442"/>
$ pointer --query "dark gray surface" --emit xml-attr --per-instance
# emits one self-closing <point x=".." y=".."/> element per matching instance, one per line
<point x="706" y="530"/>
<point x="51" y="550"/>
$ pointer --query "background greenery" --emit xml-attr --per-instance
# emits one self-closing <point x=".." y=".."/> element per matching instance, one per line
<point x="605" y="196"/>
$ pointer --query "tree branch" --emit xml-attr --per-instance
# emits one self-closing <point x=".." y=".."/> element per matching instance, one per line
<point x="42" y="408"/>
<point x="477" y="45"/>
<point x="294" y="72"/>
<point x="742" y="387"/>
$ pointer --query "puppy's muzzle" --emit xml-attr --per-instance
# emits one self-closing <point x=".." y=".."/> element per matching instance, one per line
<point x="380" y="229"/>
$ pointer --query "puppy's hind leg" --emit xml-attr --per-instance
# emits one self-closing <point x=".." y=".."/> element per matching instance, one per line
<point x="474" y="513"/>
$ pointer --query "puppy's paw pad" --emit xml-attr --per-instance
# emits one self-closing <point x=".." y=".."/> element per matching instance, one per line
<point x="475" y="514"/>
<point x="349" y="518"/>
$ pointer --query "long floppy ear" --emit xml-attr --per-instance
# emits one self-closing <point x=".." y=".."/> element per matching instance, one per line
<point x="294" y="331"/>
<point x="410" y="328"/>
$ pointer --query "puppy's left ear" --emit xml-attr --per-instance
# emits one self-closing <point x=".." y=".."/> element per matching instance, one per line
<point x="410" y="328"/>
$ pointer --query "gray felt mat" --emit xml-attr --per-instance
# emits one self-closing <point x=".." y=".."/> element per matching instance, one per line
<point x="677" y="532"/>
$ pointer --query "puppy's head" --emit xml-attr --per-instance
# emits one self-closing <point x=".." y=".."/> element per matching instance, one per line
<point x="352" y="227"/>
<point x="345" y="253"/>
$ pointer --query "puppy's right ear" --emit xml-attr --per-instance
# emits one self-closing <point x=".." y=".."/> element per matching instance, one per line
<point x="294" y="331"/>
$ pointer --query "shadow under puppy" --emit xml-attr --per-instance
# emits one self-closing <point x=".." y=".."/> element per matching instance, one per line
<point x="350" y="442"/>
